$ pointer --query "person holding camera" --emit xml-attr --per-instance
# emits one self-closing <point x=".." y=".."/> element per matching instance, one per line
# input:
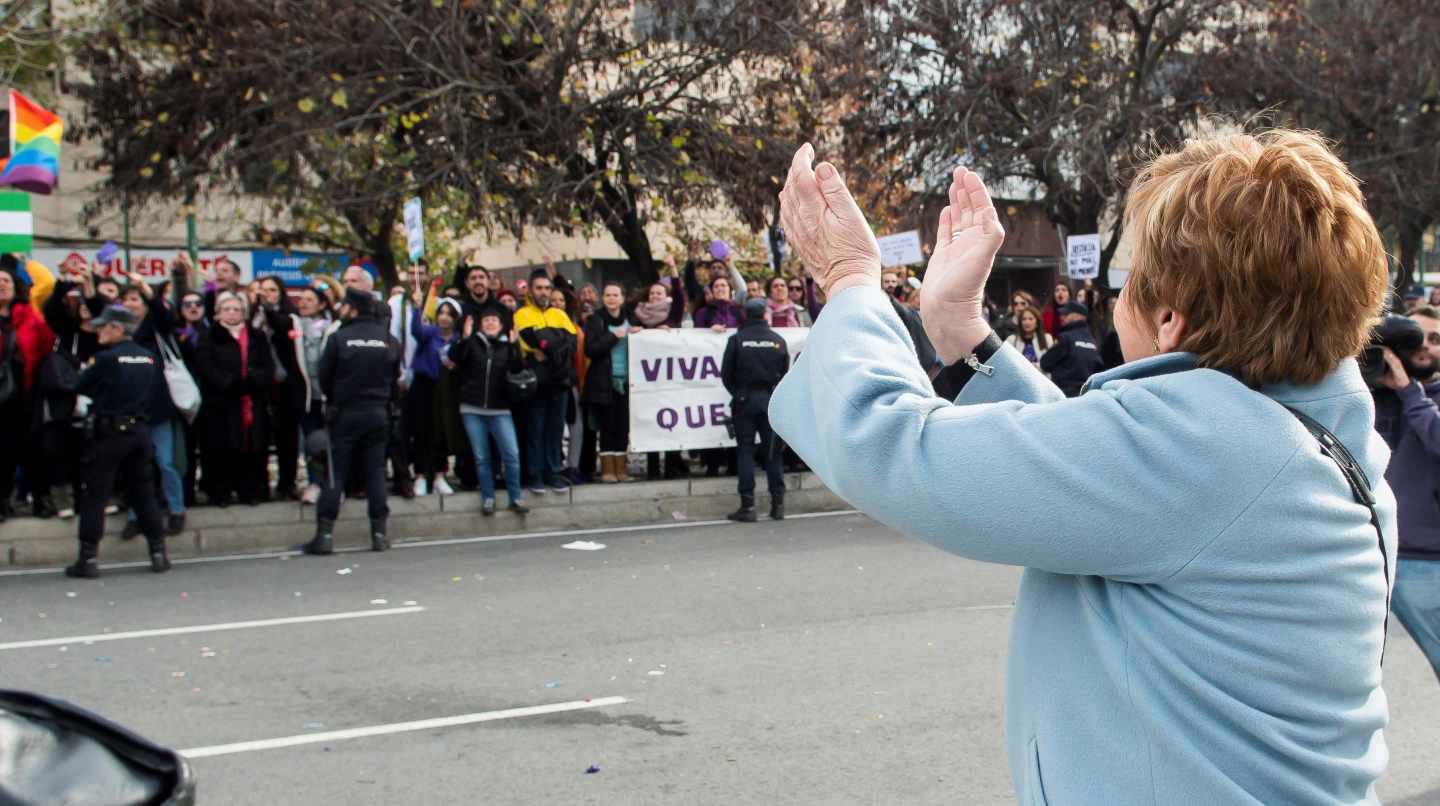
<point x="120" y="384"/>
<point x="756" y="358"/>
<point x="482" y="360"/>
<point x="359" y="374"/>
<point x="1401" y="367"/>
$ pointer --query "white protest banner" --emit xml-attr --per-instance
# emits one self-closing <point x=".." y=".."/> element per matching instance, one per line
<point x="414" y="230"/>
<point x="151" y="264"/>
<point x="900" y="249"/>
<point x="1082" y="256"/>
<point x="677" y="400"/>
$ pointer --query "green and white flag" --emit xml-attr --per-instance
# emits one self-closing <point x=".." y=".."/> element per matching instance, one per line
<point x="16" y="227"/>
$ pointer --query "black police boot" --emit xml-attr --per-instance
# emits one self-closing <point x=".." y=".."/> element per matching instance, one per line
<point x="777" y="507"/>
<point x="746" y="512"/>
<point x="43" y="507"/>
<point x="131" y="530"/>
<point x="175" y="524"/>
<point x="324" y="542"/>
<point x="86" y="566"/>
<point x="378" y="541"/>
<point x="159" y="557"/>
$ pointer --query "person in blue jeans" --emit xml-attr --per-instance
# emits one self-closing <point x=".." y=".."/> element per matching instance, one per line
<point x="481" y="360"/>
<point x="1407" y="416"/>
<point x="156" y="324"/>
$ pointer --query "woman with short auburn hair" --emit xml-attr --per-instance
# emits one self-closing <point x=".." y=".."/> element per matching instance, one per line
<point x="1202" y="615"/>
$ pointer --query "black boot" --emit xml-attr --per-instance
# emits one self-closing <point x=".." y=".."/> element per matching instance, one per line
<point x="131" y="530"/>
<point x="44" y="508"/>
<point x="378" y="541"/>
<point x="746" y="512"/>
<point x="777" y="507"/>
<point x="175" y="524"/>
<point x="324" y="542"/>
<point x="86" y="566"/>
<point x="159" y="557"/>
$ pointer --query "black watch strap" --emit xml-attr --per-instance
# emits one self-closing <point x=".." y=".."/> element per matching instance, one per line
<point x="956" y="375"/>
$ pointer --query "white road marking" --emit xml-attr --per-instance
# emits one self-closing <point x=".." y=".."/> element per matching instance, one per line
<point x="397" y="727"/>
<point x="444" y="541"/>
<point x="232" y="625"/>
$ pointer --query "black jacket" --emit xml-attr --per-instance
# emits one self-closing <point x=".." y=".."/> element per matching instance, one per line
<point x="1073" y="359"/>
<point x="159" y="323"/>
<point x="360" y="365"/>
<point x="599" y="341"/>
<point x="480" y="366"/>
<point x="223" y="385"/>
<point x="756" y="358"/>
<point x="122" y="380"/>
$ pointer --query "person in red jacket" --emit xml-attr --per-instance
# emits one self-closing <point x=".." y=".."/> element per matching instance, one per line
<point x="24" y="341"/>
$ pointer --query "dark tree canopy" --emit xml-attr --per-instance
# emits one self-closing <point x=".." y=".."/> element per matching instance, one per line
<point x="572" y="115"/>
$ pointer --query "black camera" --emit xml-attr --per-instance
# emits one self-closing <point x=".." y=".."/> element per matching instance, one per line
<point x="1401" y="334"/>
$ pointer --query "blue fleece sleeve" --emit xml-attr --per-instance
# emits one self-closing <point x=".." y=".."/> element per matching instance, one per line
<point x="1010" y="473"/>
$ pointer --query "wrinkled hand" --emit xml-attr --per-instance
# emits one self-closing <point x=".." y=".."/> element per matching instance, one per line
<point x="952" y="298"/>
<point x="1395" y="377"/>
<point x="825" y="225"/>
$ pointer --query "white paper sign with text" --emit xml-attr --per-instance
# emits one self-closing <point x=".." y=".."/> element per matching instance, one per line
<point x="677" y="400"/>
<point x="1082" y="256"/>
<point x="900" y="249"/>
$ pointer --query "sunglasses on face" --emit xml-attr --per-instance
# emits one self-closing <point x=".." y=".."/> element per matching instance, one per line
<point x="797" y="288"/>
<point x="192" y="303"/>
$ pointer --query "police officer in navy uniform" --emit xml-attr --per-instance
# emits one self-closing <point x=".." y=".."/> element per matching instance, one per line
<point x="756" y="358"/>
<point x="119" y="384"/>
<point x="359" y="370"/>
<point x="1076" y="355"/>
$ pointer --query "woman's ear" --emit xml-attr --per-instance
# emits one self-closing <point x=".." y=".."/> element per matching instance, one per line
<point x="1171" y="329"/>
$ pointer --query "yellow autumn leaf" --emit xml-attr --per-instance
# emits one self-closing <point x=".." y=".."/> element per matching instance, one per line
<point x="306" y="105"/>
<point x="154" y="158"/>
<point x="759" y="144"/>
<point x="147" y="172"/>
<point x="678" y="141"/>
<point x="339" y="99"/>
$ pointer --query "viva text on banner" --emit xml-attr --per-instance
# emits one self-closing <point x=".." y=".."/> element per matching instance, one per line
<point x="677" y="401"/>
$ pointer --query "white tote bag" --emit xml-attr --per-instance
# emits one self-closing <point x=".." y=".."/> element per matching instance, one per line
<point x="183" y="390"/>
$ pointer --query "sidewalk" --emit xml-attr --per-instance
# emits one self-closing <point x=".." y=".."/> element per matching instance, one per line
<point x="28" y="542"/>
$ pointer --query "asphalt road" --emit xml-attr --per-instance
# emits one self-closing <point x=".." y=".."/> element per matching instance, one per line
<point x="820" y="661"/>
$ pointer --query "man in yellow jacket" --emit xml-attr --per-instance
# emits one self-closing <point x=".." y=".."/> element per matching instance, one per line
<point x="548" y="341"/>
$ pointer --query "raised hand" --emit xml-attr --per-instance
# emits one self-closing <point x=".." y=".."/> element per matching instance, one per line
<point x="469" y="326"/>
<point x="953" y="295"/>
<point x="825" y="225"/>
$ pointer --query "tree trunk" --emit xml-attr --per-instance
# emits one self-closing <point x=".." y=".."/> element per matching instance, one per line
<point x="1411" y="236"/>
<point x="628" y="230"/>
<point x="776" y="237"/>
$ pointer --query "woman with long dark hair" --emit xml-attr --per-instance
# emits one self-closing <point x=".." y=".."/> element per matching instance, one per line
<point x="275" y="316"/>
<point x="606" y="391"/>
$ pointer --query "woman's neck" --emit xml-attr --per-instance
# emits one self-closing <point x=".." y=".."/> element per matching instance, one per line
<point x="614" y="312"/>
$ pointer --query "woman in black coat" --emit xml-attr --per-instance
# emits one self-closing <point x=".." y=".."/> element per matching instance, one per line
<point x="277" y="318"/>
<point x="236" y="371"/>
<point x="606" y="392"/>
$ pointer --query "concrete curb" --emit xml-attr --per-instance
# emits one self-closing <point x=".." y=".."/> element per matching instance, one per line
<point x="30" y="543"/>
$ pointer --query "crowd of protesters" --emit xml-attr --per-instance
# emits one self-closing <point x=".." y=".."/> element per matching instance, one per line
<point x="518" y="387"/>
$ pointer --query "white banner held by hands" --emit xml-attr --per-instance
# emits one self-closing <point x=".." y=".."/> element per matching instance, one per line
<point x="677" y="400"/>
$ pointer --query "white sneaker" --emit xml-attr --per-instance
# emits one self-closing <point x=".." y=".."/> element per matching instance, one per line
<point x="442" y="487"/>
<point x="311" y="494"/>
<point x="422" y="489"/>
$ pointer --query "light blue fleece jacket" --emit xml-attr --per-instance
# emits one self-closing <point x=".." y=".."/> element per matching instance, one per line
<point x="1200" y="619"/>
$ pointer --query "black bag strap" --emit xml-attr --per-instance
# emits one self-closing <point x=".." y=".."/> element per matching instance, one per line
<point x="1360" y="488"/>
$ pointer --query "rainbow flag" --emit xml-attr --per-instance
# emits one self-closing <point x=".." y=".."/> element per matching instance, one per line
<point x="34" y="163"/>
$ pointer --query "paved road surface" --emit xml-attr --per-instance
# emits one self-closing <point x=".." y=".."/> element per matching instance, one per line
<point x="820" y="661"/>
